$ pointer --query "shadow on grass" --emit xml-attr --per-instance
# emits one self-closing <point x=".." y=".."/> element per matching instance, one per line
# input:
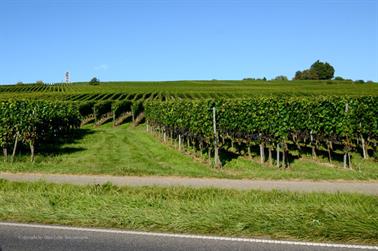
<point x="57" y="145"/>
<point x="226" y="156"/>
<point x="57" y="150"/>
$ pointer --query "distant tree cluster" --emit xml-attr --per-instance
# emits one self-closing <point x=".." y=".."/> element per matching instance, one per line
<point x="256" y="79"/>
<point x="94" y="81"/>
<point x="338" y="78"/>
<point x="317" y="71"/>
<point x="280" y="78"/>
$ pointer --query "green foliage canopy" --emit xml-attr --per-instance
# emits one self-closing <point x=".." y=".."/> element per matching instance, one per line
<point x="317" y="71"/>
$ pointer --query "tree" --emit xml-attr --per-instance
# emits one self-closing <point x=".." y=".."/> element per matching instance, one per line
<point x="339" y="78"/>
<point x="317" y="71"/>
<point x="324" y="71"/>
<point x="298" y="75"/>
<point x="310" y="75"/>
<point x="94" y="81"/>
<point x="306" y="75"/>
<point x="281" y="78"/>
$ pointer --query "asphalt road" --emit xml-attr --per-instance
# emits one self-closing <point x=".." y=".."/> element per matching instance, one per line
<point x="47" y="237"/>
<point x="364" y="187"/>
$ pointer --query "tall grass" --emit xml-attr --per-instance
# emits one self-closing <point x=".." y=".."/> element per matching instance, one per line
<point x="316" y="216"/>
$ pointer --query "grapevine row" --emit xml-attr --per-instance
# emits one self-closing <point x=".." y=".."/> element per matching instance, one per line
<point x="320" y="123"/>
<point x="33" y="123"/>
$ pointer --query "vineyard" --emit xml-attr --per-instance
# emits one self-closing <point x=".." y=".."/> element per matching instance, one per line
<point x="288" y="125"/>
<point x="34" y="123"/>
<point x="279" y="121"/>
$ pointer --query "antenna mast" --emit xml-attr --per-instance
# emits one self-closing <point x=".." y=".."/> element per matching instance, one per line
<point x="67" y="77"/>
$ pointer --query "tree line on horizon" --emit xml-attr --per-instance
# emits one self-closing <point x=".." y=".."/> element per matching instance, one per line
<point x="317" y="71"/>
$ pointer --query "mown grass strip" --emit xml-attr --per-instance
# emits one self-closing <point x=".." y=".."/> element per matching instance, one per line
<point x="339" y="217"/>
<point x="127" y="150"/>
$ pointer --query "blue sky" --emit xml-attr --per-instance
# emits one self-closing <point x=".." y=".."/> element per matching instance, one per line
<point x="172" y="39"/>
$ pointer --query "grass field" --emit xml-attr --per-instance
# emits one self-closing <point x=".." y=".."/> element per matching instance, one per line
<point x="347" y="218"/>
<point x="132" y="151"/>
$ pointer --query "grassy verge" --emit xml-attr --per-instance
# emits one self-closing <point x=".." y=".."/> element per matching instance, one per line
<point x="348" y="218"/>
<point x="132" y="151"/>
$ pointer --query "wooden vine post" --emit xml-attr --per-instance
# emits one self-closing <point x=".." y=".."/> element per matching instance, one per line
<point x="32" y="150"/>
<point x="262" y="153"/>
<point x="345" y="160"/>
<point x="179" y="139"/>
<point x="313" y="146"/>
<point x="5" y="153"/>
<point x="217" y="162"/>
<point x="347" y="155"/>
<point x="270" y="156"/>
<point x="249" y="152"/>
<point x="278" y="155"/>
<point x="14" y="148"/>
<point x="329" y="149"/>
<point x="283" y="156"/>
<point x="364" y="148"/>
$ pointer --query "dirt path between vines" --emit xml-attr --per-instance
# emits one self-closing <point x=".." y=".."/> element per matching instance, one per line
<point x="244" y="184"/>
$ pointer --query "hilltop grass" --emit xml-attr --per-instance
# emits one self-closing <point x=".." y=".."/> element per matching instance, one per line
<point x="132" y="151"/>
<point x="338" y="217"/>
